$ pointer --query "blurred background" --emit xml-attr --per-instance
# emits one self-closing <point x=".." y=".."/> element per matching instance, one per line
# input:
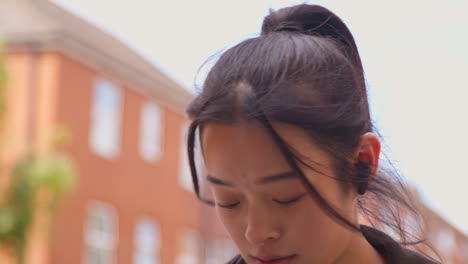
<point x="92" y="121"/>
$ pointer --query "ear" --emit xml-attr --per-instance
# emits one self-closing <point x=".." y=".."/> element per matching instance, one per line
<point x="368" y="151"/>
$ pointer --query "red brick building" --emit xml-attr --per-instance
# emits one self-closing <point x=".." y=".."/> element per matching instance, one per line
<point x="450" y="243"/>
<point x="126" y="119"/>
<point x="442" y="240"/>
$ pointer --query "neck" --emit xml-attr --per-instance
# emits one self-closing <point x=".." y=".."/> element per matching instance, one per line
<point x="359" y="251"/>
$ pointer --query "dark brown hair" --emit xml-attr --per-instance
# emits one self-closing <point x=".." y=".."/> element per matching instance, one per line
<point x="305" y="70"/>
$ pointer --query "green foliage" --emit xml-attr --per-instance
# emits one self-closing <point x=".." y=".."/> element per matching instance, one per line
<point x="16" y="212"/>
<point x="3" y="79"/>
<point x="55" y="173"/>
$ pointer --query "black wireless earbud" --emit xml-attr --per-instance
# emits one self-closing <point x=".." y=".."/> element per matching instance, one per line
<point x="364" y="171"/>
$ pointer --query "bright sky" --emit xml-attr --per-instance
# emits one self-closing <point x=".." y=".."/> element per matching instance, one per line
<point x="415" y="54"/>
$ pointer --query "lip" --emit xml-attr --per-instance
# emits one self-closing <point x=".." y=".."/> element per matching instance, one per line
<point x="274" y="260"/>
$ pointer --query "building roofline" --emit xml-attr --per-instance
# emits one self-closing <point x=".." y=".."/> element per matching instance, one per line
<point x="48" y="27"/>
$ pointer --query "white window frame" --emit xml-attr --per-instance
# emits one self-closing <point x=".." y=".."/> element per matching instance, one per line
<point x="151" y="131"/>
<point x="219" y="250"/>
<point x="106" y="116"/>
<point x="102" y="239"/>
<point x="445" y="241"/>
<point x="185" y="177"/>
<point x="189" y="247"/>
<point x="147" y="251"/>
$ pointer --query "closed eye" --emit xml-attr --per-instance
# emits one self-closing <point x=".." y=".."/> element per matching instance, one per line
<point x="287" y="202"/>
<point x="290" y="201"/>
<point x="228" y="206"/>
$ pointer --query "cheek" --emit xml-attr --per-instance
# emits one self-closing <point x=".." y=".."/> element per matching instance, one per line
<point x="234" y="226"/>
<point x="227" y="219"/>
<point x="314" y="234"/>
<point x="230" y="220"/>
<point x="308" y="221"/>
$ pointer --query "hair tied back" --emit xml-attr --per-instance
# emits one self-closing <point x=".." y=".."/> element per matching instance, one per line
<point x="293" y="26"/>
<point x="312" y="20"/>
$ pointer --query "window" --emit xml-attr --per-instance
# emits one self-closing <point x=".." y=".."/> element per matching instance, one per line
<point x="185" y="176"/>
<point x="151" y="132"/>
<point x="412" y="226"/>
<point x="189" y="247"/>
<point x="219" y="251"/>
<point x="445" y="242"/>
<point x="100" y="234"/>
<point x="105" y="119"/>
<point x="391" y="232"/>
<point x="147" y="242"/>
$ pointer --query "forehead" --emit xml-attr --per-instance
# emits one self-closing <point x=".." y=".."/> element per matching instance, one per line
<point x="248" y="151"/>
<point x="229" y="141"/>
<point x="215" y="134"/>
<point x="235" y="137"/>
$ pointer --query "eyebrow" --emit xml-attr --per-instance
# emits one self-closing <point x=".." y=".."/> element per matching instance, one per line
<point x="264" y="180"/>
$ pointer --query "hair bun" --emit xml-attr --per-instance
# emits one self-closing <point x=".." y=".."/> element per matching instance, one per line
<point x="311" y="20"/>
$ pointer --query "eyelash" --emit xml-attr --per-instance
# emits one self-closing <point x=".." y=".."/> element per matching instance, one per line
<point x="288" y="202"/>
<point x="291" y="201"/>
<point x="228" y="206"/>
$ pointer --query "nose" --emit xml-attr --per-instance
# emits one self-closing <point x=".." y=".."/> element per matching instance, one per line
<point x="261" y="227"/>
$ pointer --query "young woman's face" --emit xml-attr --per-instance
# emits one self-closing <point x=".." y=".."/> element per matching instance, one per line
<point x="263" y="204"/>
